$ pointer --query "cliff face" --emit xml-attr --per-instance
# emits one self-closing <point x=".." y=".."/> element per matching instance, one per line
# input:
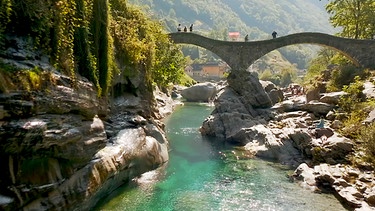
<point x="62" y="147"/>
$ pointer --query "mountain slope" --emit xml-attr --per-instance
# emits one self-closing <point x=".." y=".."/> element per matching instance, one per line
<point x="285" y="16"/>
<point x="257" y="18"/>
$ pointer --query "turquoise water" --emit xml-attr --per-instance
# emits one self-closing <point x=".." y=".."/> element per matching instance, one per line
<point x="199" y="177"/>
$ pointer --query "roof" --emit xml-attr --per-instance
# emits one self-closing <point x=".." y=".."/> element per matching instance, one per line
<point x="234" y="34"/>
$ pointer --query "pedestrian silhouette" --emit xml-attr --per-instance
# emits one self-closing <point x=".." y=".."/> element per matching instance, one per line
<point x="246" y="38"/>
<point x="191" y="28"/>
<point x="179" y="27"/>
<point x="274" y="34"/>
<point x="321" y="123"/>
<point x="185" y="29"/>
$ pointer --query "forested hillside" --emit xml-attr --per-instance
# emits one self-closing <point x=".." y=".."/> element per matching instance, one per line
<point x="104" y="41"/>
<point x="258" y="18"/>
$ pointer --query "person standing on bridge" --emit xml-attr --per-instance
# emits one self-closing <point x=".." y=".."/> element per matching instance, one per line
<point x="185" y="29"/>
<point x="179" y="27"/>
<point x="191" y="28"/>
<point x="247" y="38"/>
<point x="274" y="34"/>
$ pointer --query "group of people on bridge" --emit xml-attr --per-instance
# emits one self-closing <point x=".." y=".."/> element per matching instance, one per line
<point x="179" y="28"/>
<point x="185" y="29"/>
<point x="274" y="35"/>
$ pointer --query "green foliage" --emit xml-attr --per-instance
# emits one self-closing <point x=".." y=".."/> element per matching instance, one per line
<point x="284" y="78"/>
<point x="186" y="80"/>
<point x="355" y="17"/>
<point x="95" y="40"/>
<point x="318" y="64"/>
<point x="64" y="23"/>
<point x="367" y="139"/>
<point x="267" y="75"/>
<point x="7" y="68"/>
<point x="128" y="28"/>
<point x="169" y="63"/>
<point x="141" y="43"/>
<point x="257" y="18"/>
<point x="318" y="154"/>
<point x="50" y="24"/>
<point x="297" y="54"/>
<point x="354" y="103"/>
<point x="344" y="75"/>
<point x="354" y="96"/>
<point x="357" y="108"/>
<point x="5" y="11"/>
<point x="287" y="76"/>
<point x="28" y="79"/>
<point x="85" y="61"/>
<point x="335" y="68"/>
<point x="102" y="43"/>
<point x="353" y="124"/>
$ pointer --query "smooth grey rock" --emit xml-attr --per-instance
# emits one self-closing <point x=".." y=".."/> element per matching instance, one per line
<point x="249" y="89"/>
<point x="202" y="92"/>
<point x="332" y="97"/>
<point x="318" y="108"/>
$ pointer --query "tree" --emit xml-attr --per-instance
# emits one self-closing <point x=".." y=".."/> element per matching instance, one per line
<point x="5" y="11"/>
<point x="84" y="60"/>
<point x="319" y="63"/>
<point x="102" y="43"/>
<point x="354" y="16"/>
<point x="287" y="76"/>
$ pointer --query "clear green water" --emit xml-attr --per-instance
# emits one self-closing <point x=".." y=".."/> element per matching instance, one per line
<point x="198" y="177"/>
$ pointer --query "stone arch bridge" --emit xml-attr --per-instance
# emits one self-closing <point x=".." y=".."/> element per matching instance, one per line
<point x="240" y="55"/>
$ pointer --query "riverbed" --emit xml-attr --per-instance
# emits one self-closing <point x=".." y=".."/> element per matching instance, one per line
<point x="205" y="176"/>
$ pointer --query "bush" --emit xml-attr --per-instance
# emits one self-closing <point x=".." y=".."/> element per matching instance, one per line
<point x="267" y="75"/>
<point x="355" y="96"/>
<point x="344" y="75"/>
<point x="353" y="103"/>
<point x="367" y="138"/>
<point x="353" y="125"/>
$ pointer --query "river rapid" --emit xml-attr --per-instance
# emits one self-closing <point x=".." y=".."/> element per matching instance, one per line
<point x="205" y="176"/>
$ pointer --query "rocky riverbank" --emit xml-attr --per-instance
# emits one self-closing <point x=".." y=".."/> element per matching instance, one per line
<point x="286" y="132"/>
<point x="63" y="147"/>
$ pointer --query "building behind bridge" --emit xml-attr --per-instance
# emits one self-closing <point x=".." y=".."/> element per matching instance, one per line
<point x="234" y="36"/>
<point x="210" y="71"/>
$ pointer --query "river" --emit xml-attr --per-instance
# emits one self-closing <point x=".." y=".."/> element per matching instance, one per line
<point x="202" y="176"/>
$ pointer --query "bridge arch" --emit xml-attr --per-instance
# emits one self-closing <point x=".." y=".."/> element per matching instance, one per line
<point x="240" y="55"/>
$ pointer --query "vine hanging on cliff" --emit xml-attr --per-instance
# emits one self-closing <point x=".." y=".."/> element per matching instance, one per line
<point x="102" y="43"/>
<point x="85" y="62"/>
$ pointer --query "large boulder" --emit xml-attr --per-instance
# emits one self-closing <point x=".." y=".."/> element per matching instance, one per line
<point x="129" y="154"/>
<point x="333" y="150"/>
<point x="317" y="108"/>
<point x="249" y="89"/>
<point x="331" y="97"/>
<point x="267" y="85"/>
<point x="312" y="94"/>
<point x="293" y="104"/>
<point x="202" y="92"/>
<point x="305" y="176"/>
<point x="276" y="95"/>
<point x="229" y="116"/>
<point x="303" y="142"/>
<point x="351" y="186"/>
